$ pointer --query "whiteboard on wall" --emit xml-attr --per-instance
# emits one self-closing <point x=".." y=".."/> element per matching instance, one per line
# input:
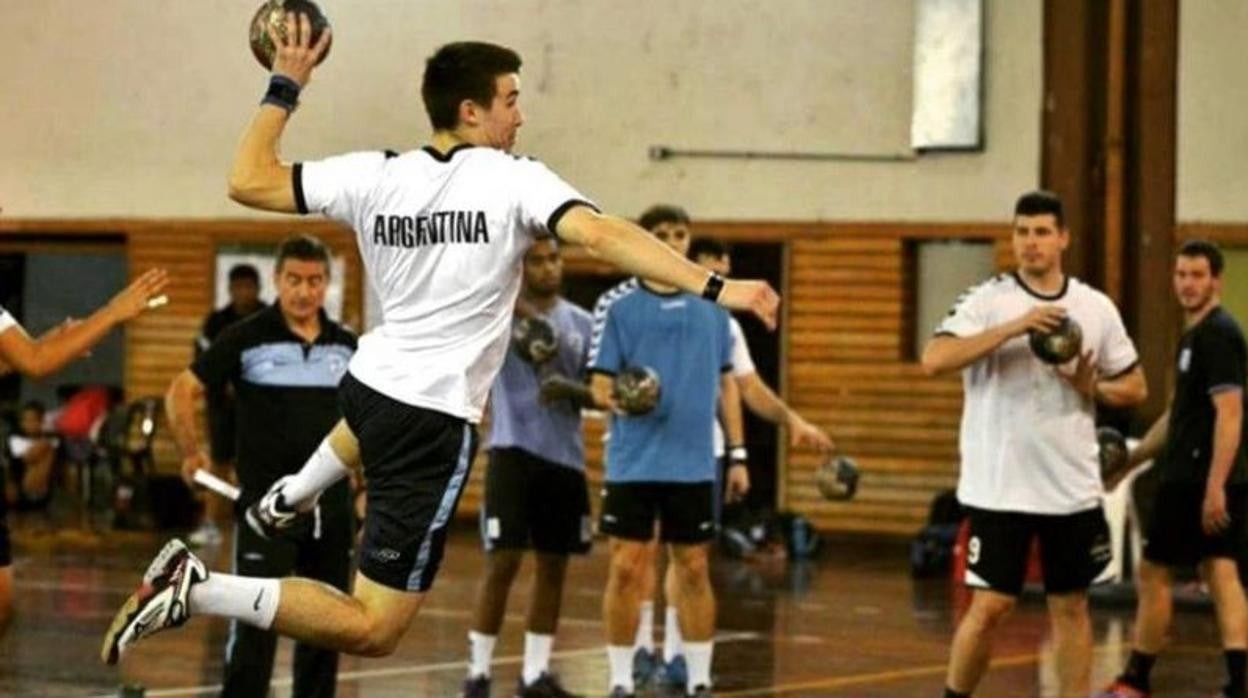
<point x="263" y="260"/>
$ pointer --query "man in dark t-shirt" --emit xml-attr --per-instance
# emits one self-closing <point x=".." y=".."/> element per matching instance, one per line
<point x="284" y="364"/>
<point x="1200" y="515"/>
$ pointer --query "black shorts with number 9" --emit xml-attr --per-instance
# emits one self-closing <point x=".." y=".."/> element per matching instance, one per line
<point x="1074" y="549"/>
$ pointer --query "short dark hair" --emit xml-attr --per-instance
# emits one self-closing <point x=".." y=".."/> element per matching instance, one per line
<point x="1038" y="203"/>
<point x="463" y="70"/>
<point x="1207" y="249"/>
<point x="304" y="247"/>
<point x="244" y="272"/>
<point x="707" y="247"/>
<point x="36" y="407"/>
<point x="659" y="214"/>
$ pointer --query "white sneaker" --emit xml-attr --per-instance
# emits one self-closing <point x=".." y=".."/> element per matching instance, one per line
<point x="161" y="602"/>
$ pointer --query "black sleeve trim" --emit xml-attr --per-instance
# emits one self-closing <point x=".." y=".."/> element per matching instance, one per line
<point x="391" y="154"/>
<point x="296" y="180"/>
<point x="603" y="371"/>
<point x="553" y="221"/>
<point x="726" y="368"/>
<point x="1123" y="372"/>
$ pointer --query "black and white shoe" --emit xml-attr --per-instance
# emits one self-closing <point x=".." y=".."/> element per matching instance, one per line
<point x="546" y="686"/>
<point x="161" y="602"/>
<point x="475" y="687"/>
<point x="270" y="515"/>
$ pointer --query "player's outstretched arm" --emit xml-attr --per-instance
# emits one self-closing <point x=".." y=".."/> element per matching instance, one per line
<point x="764" y="402"/>
<point x="37" y="358"/>
<point x="258" y="177"/>
<point x="635" y="251"/>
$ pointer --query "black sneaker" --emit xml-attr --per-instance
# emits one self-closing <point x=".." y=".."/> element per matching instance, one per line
<point x="476" y="687"/>
<point x="619" y="692"/>
<point x="546" y="686"/>
<point x="161" y="602"/>
<point x="701" y="692"/>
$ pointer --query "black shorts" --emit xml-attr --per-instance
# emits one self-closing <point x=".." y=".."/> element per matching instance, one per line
<point x="531" y="502"/>
<point x="1174" y="537"/>
<point x="1074" y="549"/>
<point x="685" y="511"/>
<point x="416" y="462"/>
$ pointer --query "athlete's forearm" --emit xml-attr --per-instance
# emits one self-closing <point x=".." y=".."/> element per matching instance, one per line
<point x="1124" y="391"/>
<point x="730" y="410"/>
<point x="762" y="400"/>
<point x="632" y="249"/>
<point x="182" y="404"/>
<point x="1227" y="432"/>
<point x="946" y="353"/>
<point x="258" y="178"/>
<point x="41" y="357"/>
<point x="1153" y="442"/>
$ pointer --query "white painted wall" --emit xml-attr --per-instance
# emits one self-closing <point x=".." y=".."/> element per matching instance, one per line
<point x="133" y="107"/>
<point x="1213" y="100"/>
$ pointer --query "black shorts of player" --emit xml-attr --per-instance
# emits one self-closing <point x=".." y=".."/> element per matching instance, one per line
<point x="416" y="462"/>
<point x="685" y="511"/>
<point x="1074" y="549"/>
<point x="531" y="502"/>
<point x="1174" y="536"/>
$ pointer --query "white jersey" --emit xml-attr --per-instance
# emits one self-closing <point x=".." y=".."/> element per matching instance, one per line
<point x="6" y="320"/>
<point x="442" y="238"/>
<point x="1028" y="439"/>
<point x="742" y="366"/>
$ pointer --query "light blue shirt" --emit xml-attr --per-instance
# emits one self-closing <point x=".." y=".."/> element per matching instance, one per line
<point x="687" y="341"/>
<point x="518" y="419"/>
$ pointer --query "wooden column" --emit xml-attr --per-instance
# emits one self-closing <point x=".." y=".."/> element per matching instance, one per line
<point x="1152" y="75"/>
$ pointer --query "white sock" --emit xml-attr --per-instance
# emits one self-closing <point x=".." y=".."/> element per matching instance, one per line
<point x="480" y="652"/>
<point x="253" y="600"/>
<point x="621" y="659"/>
<point x="698" y="656"/>
<point x="536" y="656"/>
<point x="672" y="644"/>
<point x="322" y="469"/>
<point x="645" y="628"/>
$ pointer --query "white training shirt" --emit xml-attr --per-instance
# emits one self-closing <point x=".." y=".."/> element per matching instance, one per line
<point x="442" y="238"/>
<point x="742" y="365"/>
<point x="6" y="320"/>
<point x="1028" y="439"/>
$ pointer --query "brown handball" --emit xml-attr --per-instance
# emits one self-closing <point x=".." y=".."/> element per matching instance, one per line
<point x="273" y="13"/>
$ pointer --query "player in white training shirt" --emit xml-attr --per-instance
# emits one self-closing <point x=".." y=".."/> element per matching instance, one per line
<point x="1028" y="442"/>
<point x="442" y="231"/>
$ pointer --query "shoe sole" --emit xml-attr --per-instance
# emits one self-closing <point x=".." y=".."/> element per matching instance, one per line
<point x="109" y="652"/>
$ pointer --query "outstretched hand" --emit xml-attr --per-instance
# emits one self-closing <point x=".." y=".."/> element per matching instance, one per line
<point x="141" y="295"/>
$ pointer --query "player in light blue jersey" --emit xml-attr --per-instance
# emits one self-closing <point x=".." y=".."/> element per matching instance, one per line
<point x="536" y="496"/>
<point x="661" y="465"/>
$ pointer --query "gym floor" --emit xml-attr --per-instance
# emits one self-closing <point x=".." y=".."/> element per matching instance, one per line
<point x="852" y="623"/>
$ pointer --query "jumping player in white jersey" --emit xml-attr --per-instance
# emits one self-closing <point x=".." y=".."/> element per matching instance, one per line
<point x="442" y="231"/>
<point x="1028" y="442"/>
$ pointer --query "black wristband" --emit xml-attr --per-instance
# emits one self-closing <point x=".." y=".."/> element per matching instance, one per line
<point x="714" y="286"/>
<point x="283" y="92"/>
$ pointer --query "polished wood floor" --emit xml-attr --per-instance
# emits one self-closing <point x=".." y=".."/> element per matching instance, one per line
<point x="852" y="623"/>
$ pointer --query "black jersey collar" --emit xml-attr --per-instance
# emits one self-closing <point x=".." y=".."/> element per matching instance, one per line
<point x="446" y="157"/>
<point x="1043" y="296"/>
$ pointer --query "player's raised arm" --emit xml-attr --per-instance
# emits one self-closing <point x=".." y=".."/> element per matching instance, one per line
<point x="258" y="177"/>
<point x="630" y="248"/>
